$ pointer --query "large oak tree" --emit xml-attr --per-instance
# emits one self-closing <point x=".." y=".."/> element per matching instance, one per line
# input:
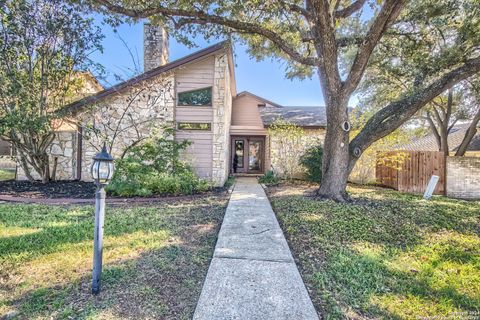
<point x="335" y="40"/>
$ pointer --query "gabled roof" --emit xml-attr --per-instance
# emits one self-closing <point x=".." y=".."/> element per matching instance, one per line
<point x="429" y="143"/>
<point x="77" y="106"/>
<point x="300" y="116"/>
<point x="247" y="93"/>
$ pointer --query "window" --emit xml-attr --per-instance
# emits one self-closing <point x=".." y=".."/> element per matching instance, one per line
<point x="238" y="157"/>
<point x="200" y="97"/>
<point x="194" y="126"/>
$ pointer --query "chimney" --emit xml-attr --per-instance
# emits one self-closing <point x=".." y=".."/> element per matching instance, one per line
<point x="155" y="46"/>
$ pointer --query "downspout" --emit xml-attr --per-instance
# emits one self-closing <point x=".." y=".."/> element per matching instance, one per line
<point x="79" y="152"/>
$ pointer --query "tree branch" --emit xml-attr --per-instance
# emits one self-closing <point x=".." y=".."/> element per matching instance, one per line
<point x="193" y="16"/>
<point x="434" y="130"/>
<point x="389" y="12"/>
<point x="349" y="10"/>
<point x="471" y="131"/>
<point x="396" y="113"/>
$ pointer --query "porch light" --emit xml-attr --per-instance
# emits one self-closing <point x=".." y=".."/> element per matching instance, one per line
<point x="102" y="167"/>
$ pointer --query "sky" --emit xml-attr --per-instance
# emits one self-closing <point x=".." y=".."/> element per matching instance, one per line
<point x="265" y="78"/>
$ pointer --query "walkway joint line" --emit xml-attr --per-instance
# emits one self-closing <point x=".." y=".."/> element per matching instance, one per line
<point x="252" y="275"/>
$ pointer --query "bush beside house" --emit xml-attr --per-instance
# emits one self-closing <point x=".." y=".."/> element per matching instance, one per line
<point x="155" y="168"/>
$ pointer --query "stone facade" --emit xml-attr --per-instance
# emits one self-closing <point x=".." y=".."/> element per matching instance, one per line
<point x="222" y="110"/>
<point x="463" y="177"/>
<point x="63" y="152"/>
<point x="273" y="150"/>
<point x="126" y="118"/>
<point x="155" y="43"/>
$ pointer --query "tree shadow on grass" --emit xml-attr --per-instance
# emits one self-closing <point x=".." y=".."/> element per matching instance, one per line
<point x="160" y="283"/>
<point x="65" y="228"/>
<point x="385" y="255"/>
<point x="368" y="287"/>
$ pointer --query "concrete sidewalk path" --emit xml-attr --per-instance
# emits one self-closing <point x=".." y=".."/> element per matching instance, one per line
<point x="252" y="274"/>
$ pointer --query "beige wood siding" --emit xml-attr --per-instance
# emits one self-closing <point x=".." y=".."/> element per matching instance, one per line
<point x="194" y="114"/>
<point x="195" y="75"/>
<point x="199" y="154"/>
<point x="245" y="112"/>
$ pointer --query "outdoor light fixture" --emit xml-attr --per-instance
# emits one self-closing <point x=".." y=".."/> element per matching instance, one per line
<point x="102" y="167"/>
<point x="102" y="171"/>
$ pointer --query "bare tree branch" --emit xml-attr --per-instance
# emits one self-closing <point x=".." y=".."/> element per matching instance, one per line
<point x="349" y="10"/>
<point x="193" y="16"/>
<point x="471" y="131"/>
<point x="396" y="113"/>
<point x="389" y="12"/>
<point x="434" y="130"/>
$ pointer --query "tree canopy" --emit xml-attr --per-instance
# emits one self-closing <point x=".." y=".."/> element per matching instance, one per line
<point x="44" y="48"/>
<point x="338" y="40"/>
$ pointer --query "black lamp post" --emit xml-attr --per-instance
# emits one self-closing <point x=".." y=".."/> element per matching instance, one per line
<point x="102" y="171"/>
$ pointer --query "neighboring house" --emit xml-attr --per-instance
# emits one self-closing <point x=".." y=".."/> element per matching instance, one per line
<point x="197" y="95"/>
<point x="455" y="137"/>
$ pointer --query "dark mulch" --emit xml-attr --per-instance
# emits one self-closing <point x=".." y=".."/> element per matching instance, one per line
<point x="76" y="190"/>
<point x="51" y="190"/>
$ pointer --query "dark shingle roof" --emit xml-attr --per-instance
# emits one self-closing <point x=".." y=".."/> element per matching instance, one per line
<point x="429" y="143"/>
<point x="301" y="116"/>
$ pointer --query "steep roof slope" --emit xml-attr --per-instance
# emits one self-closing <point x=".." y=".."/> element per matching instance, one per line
<point x="77" y="106"/>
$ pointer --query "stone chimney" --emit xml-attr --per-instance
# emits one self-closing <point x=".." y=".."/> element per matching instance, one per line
<point x="155" y="46"/>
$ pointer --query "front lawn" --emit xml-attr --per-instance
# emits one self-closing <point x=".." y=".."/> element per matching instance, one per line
<point x="387" y="255"/>
<point x="7" y="174"/>
<point x="155" y="259"/>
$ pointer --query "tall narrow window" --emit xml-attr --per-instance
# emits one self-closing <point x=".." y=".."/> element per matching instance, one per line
<point x="200" y="97"/>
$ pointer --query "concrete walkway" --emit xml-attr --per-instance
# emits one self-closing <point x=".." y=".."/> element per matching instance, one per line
<point x="252" y="274"/>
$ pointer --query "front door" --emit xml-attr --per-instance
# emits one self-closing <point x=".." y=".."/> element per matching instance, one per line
<point x="247" y="154"/>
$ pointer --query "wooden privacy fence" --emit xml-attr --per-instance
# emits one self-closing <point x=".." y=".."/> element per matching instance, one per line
<point x="410" y="171"/>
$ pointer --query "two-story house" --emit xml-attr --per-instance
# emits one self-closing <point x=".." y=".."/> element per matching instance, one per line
<point x="197" y="95"/>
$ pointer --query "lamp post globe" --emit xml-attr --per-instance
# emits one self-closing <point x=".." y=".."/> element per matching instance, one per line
<point x="102" y="172"/>
<point x="102" y="167"/>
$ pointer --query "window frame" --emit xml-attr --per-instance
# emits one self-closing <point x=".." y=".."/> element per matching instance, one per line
<point x="195" y="105"/>
<point x="195" y="129"/>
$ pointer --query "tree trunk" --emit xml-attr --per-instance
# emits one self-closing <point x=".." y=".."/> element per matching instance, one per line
<point x="471" y="131"/>
<point x="25" y="167"/>
<point x="444" y="141"/>
<point x="335" y="153"/>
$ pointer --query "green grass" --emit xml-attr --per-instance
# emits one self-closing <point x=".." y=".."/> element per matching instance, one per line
<point x="155" y="260"/>
<point x="7" y="174"/>
<point x="387" y="255"/>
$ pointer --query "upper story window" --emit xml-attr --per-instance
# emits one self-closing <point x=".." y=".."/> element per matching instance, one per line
<point x="200" y="97"/>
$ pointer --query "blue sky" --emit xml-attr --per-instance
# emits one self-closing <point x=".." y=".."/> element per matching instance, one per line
<point x="265" y="78"/>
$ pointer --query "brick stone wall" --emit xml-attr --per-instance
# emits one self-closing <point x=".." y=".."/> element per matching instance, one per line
<point x="63" y="148"/>
<point x="127" y="117"/>
<point x="222" y="106"/>
<point x="463" y="177"/>
<point x="310" y="138"/>
<point x="155" y="46"/>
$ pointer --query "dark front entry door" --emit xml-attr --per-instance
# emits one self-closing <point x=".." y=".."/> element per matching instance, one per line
<point x="248" y="154"/>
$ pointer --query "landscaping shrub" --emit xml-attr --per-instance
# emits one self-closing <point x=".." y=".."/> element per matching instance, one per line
<point x="312" y="161"/>
<point x="269" y="178"/>
<point x="155" y="168"/>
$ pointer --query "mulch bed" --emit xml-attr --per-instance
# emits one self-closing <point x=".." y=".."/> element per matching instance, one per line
<point x="50" y="190"/>
<point x="77" y="192"/>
